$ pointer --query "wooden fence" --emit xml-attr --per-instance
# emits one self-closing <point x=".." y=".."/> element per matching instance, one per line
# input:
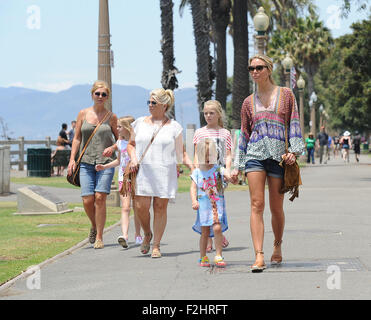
<point x="22" y="148"/>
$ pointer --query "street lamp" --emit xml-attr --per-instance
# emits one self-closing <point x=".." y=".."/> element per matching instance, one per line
<point x="261" y="24"/>
<point x="287" y="64"/>
<point x="301" y="84"/>
<point x="321" y="116"/>
<point x="313" y="99"/>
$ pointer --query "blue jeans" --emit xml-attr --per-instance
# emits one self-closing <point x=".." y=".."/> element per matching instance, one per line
<point x="95" y="181"/>
<point x="310" y="154"/>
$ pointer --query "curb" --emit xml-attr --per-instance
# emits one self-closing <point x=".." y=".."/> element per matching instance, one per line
<point x="32" y="270"/>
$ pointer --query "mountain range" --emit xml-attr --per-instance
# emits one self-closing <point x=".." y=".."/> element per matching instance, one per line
<point x="37" y="114"/>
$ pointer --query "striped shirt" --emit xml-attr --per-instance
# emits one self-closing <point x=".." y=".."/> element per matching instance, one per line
<point x="222" y="138"/>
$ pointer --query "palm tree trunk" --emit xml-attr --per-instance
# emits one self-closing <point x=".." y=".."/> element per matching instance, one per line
<point x="169" y="71"/>
<point x="240" y="88"/>
<point x="220" y="13"/>
<point x="202" y="40"/>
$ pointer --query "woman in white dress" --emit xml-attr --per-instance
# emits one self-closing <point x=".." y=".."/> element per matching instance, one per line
<point x="157" y="176"/>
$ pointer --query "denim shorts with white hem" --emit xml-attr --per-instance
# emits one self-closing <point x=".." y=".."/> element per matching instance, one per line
<point x="95" y="181"/>
<point x="270" y="166"/>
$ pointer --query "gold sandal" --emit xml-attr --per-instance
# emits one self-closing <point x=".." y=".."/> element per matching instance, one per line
<point x="156" y="253"/>
<point x="276" y="259"/>
<point x="144" y="248"/>
<point x="258" y="267"/>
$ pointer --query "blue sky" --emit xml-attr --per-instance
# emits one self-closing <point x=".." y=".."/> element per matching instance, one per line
<point x="52" y="44"/>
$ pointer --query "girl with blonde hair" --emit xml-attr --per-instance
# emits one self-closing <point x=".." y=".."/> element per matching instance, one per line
<point x="222" y="138"/>
<point x="124" y="128"/>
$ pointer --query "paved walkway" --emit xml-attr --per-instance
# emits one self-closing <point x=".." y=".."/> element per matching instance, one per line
<point x="327" y="251"/>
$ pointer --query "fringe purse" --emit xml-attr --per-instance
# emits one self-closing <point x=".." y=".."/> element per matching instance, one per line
<point x="74" y="178"/>
<point x="291" y="179"/>
<point x="129" y="176"/>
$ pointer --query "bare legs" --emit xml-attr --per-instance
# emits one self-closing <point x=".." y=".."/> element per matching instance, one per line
<point x="142" y="207"/>
<point x="257" y="195"/>
<point x="95" y="208"/>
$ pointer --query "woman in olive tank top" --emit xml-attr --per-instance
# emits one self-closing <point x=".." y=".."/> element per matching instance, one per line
<point x="95" y="186"/>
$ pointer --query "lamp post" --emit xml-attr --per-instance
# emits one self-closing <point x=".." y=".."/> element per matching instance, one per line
<point x="287" y="64"/>
<point x="320" y="116"/>
<point x="261" y="23"/>
<point x="301" y="84"/>
<point x="313" y="99"/>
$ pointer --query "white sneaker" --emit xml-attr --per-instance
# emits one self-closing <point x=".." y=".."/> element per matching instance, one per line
<point x="124" y="242"/>
<point x="138" y="240"/>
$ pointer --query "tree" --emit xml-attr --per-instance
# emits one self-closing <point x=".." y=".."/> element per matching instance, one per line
<point x="169" y="71"/>
<point x="240" y="88"/>
<point x="205" y="74"/>
<point x="344" y="80"/>
<point x="220" y="17"/>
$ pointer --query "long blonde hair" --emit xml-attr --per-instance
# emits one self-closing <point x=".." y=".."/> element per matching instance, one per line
<point x="219" y="110"/>
<point x="268" y="62"/>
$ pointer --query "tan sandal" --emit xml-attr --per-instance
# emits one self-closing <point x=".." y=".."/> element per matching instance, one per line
<point x="156" y="253"/>
<point x="144" y="248"/>
<point x="98" y="244"/>
<point x="255" y="268"/>
<point x="276" y="259"/>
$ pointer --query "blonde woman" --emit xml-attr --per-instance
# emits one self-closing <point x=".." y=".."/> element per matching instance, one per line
<point x="262" y="147"/>
<point x="95" y="186"/>
<point x="157" y="176"/>
<point x="222" y="138"/>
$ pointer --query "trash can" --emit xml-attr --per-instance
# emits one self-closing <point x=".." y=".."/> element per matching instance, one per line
<point x="365" y="146"/>
<point x="39" y="162"/>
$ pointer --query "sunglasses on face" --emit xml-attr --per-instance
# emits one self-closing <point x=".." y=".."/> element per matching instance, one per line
<point x="151" y="102"/>
<point x="103" y="94"/>
<point x="257" y="68"/>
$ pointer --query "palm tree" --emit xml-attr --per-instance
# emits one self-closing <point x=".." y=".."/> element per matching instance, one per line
<point x="240" y="88"/>
<point x="220" y="17"/>
<point x="201" y="29"/>
<point x="169" y="71"/>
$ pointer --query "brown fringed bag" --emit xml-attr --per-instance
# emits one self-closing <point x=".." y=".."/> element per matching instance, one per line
<point x="129" y="177"/>
<point x="291" y="179"/>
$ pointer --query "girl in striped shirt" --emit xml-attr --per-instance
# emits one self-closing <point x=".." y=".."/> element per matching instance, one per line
<point x="215" y="130"/>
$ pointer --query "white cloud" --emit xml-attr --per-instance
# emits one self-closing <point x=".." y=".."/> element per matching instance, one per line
<point x="50" y="87"/>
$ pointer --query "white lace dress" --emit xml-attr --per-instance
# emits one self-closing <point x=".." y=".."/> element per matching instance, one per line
<point x="157" y="176"/>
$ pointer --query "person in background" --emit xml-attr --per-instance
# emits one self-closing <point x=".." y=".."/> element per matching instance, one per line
<point x="63" y="135"/>
<point x="309" y="144"/>
<point x="357" y="145"/>
<point x="322" y="138"/>
<point x="346" y="145"/>
<point x="71" y="133"/>
<point x="330" y="145"/>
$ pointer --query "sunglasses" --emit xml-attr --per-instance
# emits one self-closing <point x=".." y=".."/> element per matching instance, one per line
<point x="151" y="102"/>
<point x="257" y="68"/>
<point x="103" y="94"/>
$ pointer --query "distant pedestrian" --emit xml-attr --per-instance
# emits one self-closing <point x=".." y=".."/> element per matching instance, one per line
<point x="123" y="128"/>
<point x="346" y="145"/>
<point x="63" y="135"/>
<point x="95" y="186"/>
<point x="215" y="130"/>
<point x="322" y="138"/>
<point x="71" y="133"/>
<point x="310" y="143"/>
<point x="207" y="195"/>
<point x="357" y="145"/>
<point x="336" y="140"/>
<point x="330" y="145"/>
<point x="264" y="116"/>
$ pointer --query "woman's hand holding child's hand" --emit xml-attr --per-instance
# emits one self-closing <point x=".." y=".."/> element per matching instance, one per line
<point x="99" y="167"/>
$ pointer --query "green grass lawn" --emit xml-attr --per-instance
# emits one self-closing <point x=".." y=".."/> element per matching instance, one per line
<point x="23" y="242"/>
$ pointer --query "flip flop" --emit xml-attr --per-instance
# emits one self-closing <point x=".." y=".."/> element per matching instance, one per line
<point x="145" y="247"/>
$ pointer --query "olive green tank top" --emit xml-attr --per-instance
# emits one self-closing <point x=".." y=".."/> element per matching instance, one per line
<point x="101" y="140"/>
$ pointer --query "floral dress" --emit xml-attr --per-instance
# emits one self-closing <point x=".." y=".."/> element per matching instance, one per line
<point x="210" y="196"/>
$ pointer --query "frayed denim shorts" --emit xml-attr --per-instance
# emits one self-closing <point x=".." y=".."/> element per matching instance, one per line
<point x="270" y="166"/>
<point x="95" y="181"/>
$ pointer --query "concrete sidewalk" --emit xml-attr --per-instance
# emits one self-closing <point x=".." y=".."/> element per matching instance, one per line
<point x="326" y="251"/>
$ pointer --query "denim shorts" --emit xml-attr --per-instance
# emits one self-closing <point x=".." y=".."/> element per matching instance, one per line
<point x="270" y="166"/>
<point x="95" y="181"/>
